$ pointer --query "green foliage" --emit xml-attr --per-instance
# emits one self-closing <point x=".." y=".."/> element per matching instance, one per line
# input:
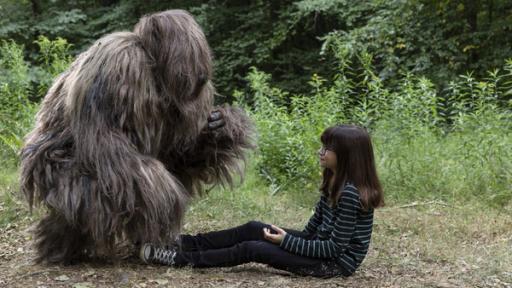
<point x="54" y="58"/>
<point x="392" y="66"/>
<point x="255" y="38"/>
<point x="16" y="109"/>
<point x="289" y="132"/>
<point x="421" y="153"/>
<point x="437" y="39"/>
<point x="249" y="201"/>
<point x="471" y="162"/>
<point x="80" y="22"/>
<point x="11" y="208"/>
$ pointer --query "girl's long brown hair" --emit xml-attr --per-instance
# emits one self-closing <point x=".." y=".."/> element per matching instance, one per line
<point x="355" y="163"/>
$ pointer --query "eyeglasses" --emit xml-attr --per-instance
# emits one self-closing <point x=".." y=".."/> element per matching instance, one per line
<point x="324" y="150"/>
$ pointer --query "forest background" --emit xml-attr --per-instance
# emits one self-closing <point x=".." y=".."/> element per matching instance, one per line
<point x="431" y="81"/>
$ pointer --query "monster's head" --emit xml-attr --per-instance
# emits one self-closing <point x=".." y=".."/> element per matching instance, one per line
<point x="182" y="70"/>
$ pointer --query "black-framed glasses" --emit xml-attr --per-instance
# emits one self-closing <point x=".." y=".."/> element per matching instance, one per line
<point x="324" y="150"/>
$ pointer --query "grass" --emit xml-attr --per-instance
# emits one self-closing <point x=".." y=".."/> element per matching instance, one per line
<point x="430" y="242"/>
<point x="250" y="201"/>
<point x="419" y="244"/>
<point x="457" y="168"/>
<point x="439" y="243"/>
<point x="12" y="208"/>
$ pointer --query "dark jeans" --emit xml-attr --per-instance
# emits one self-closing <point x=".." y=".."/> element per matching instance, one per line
<point x="245" y="244"/>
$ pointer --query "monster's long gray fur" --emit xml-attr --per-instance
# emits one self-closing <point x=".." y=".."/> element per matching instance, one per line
<point x="121" y="141"/>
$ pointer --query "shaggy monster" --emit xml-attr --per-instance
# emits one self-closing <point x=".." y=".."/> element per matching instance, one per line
<point x="125" y="137"/>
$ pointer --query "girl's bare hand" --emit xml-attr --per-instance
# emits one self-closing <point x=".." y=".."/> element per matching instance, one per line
<point x="276" y="237"/>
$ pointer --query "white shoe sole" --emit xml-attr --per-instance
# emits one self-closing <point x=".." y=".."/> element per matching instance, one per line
<point x="144" y="252"/>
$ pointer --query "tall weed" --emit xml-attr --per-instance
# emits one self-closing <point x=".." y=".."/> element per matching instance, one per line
<point x="20" y="85"/>
<point x="15" y="109"/>
<point x="452" y="147"/>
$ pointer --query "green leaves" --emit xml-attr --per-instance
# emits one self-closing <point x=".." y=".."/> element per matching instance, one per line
<point x="450" y="146"/>
<point x="295" y="39"/>
<point x="17" y="88"/>
<point x="54" y="58"/>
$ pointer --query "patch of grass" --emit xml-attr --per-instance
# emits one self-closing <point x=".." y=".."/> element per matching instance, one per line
<point x="471" y="164"/>
<point x="11" y="205"/>
<point x="421" y="244"/>
<point x="452" y="146"/>
<point x="444" y="244"/>
<point x="253" y="200"/>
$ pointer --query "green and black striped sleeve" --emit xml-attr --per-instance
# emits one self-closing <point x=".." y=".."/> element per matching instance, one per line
<point x="315" y="220"/>
<point x="343" y="230"/>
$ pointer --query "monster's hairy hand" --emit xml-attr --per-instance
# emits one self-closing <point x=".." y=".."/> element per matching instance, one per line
<point x="216" y="120"/>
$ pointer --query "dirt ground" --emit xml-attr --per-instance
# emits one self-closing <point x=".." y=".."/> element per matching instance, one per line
<point x="17" y="269"/>
<point x="407" y="256"/>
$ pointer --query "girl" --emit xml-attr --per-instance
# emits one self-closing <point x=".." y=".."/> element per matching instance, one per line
<point x="334" y="241"/>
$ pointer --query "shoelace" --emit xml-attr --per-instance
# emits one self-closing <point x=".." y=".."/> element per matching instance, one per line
<point x="165" y="256"/>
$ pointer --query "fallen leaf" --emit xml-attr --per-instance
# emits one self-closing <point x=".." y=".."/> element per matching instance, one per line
<point x="161" y="281"/>
<point x="62" y="278"/>
<point x="89" y="273"/>
<point x="83" y="285"/>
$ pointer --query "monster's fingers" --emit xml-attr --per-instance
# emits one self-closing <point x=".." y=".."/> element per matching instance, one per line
<point x="215" y="115"/>
<point x="216" y="124"/>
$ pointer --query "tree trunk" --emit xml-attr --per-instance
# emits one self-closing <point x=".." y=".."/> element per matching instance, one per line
<point x="471" y="15"/>
<point x="471" y="11"/>
<point x="36" y="7"/>
<point x="490" y="7"/>
<point x="108" y="2"/>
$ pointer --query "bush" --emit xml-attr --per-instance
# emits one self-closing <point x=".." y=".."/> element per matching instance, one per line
<point x="17" y="88"/>
<point x="451" y="147"/>
<point x="15" y="109"/>
<point x="289" y="129"/>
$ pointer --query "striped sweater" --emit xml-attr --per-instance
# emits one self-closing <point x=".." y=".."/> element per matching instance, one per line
<point x="341" y="233"/>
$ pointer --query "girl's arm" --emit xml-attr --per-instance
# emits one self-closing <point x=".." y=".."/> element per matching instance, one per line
<point x="315" y="220"/>
<point x="343" y="230"/>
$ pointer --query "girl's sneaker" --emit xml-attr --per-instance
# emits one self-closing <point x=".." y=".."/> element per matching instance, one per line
<point x="156" y="255"/>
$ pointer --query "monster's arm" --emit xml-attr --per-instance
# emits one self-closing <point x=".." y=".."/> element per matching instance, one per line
<point x="220" y="149"/>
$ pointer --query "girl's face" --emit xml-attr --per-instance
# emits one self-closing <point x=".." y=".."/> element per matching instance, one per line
<point x="327" y="158"/>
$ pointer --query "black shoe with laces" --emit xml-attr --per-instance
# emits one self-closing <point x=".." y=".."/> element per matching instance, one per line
<point x="155" y="255"/>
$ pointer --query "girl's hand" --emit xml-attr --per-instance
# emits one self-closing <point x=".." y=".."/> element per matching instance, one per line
<point x="275" y="238"/>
